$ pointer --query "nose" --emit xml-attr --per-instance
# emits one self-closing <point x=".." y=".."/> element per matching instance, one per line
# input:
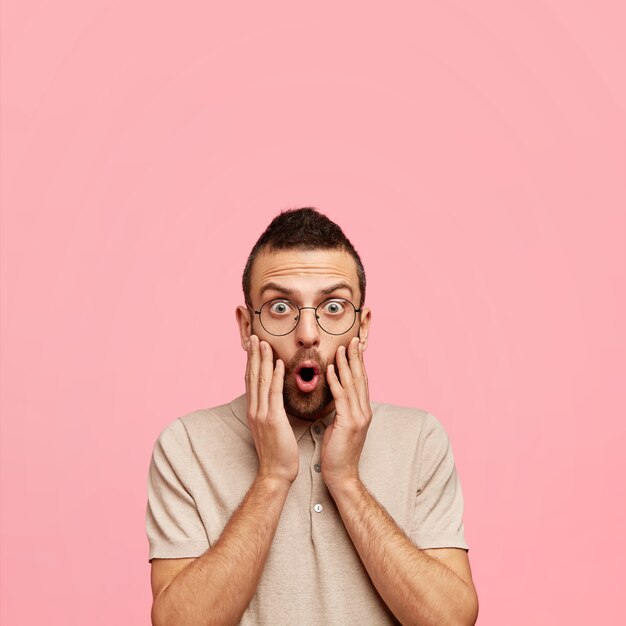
<point x="307" y="331"/>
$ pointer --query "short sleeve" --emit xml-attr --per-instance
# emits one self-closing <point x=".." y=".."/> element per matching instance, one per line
<point x="173" y="524"/>
<point x="438" y="517"/>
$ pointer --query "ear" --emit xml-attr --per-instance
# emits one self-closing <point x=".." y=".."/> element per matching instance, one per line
<point x="364" y="326"/>
<point x="244" y="320"/>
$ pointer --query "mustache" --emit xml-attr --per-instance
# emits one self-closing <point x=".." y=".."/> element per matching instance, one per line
<point x="306" y="355"/>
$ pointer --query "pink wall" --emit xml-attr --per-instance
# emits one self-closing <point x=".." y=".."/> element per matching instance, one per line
<point x="474" y="152"/>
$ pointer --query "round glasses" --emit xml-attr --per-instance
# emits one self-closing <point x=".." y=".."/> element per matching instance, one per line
<point x="336" y="316"/>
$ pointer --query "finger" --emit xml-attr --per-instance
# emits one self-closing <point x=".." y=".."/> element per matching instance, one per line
<point x="367" y="385"/>
<point x="265" y="378"/>
<point x="252" y="375"/>
<point x="342" y="405"/>
<point x="348" y="383"/>
<point x="276" y="405"/>
<point x="358" y="373"/>
<point x="248" y="352"/>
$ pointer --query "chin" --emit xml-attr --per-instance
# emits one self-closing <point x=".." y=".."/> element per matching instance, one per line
<point x="307" y="405"/>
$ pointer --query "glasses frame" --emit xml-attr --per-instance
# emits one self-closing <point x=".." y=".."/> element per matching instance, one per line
<point x="302" y="308"/>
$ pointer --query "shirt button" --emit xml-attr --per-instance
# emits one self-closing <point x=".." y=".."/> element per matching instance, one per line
<point x="318" y="467"/>
<point x="317" y="429"/>
<point x="318" y="508"/>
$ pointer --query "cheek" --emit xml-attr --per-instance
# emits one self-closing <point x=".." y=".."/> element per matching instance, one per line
<point x="344" y="341"/>
<point x="331" y="353"/>
<point x="281" y="351"/>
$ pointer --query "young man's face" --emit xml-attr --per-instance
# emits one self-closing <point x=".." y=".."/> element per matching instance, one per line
<point x="304" y="278"/>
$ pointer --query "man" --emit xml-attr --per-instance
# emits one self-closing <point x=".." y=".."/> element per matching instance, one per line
<point x="302" y="502"/>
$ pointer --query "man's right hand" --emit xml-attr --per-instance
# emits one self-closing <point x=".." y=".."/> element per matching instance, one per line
<point x="272" y="433"/>
<point x="200" y="590"/>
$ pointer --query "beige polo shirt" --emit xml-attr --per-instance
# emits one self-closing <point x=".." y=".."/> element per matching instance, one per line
<point x="204" y="463"/>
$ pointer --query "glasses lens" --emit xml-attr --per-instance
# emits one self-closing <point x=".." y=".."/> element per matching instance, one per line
<point x="279" y="317"/>
<point x="336" y="316"/>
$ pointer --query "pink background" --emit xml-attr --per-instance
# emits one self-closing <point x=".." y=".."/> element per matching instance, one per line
<point x="473" y="152"/>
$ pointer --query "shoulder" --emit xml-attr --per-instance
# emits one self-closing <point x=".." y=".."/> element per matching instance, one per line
<point x="405" y="427"/>
<point x="204" y="417"/>
<point x="214" y="435"/>
<point x="386" y="415"/>
<point x="200" y="424"/>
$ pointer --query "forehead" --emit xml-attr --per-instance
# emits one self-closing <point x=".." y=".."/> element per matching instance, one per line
<point x="304" y="269"/>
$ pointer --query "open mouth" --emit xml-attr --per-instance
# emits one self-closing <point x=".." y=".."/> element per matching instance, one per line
<point x="307" y="377"/>
<point x="307" y="373"/>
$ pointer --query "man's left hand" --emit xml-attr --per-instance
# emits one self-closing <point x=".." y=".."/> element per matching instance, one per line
<point x="345" y="437"/>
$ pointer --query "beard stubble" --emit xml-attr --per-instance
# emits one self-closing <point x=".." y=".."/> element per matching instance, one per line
<point x="305" y="405"/>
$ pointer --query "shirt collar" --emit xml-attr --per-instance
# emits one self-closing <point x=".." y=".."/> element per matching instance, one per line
<point x="239" y="407"/>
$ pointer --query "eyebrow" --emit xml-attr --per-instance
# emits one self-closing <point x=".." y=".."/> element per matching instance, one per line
<point x="291" y="292"/>
<point x="336" y="287"/>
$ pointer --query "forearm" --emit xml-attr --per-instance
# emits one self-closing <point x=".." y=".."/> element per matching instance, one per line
<point x="204" y="592"/>
<point x="417" y="588"/>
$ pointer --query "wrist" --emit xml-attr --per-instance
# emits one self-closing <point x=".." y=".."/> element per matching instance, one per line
<point x="344" y="485"/>
<point x="273" y="483"/>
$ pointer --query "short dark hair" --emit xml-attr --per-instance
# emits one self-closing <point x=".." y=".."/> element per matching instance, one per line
<point x="303" y="229"/>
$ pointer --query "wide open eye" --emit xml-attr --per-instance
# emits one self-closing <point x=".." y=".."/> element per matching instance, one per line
<point x="278" y="308"/>
<point x="334" y="307"/>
